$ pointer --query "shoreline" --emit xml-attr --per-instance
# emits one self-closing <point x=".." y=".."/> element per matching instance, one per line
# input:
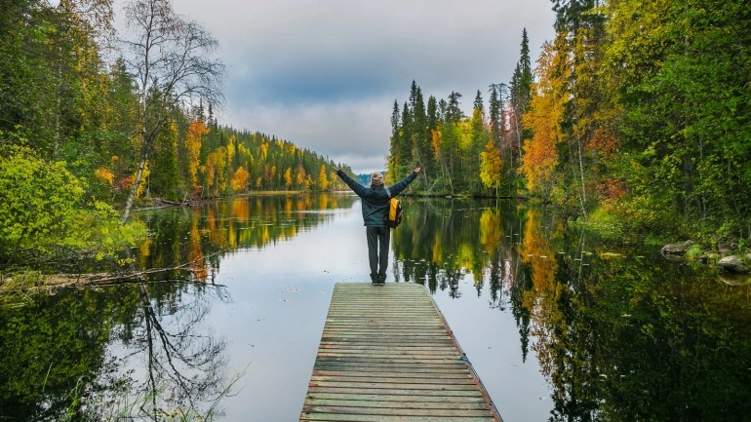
<point x="160" y="203"/>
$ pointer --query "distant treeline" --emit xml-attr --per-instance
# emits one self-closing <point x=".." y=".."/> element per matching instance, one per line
<point x="195" y="157"/>
<point x="65" y="102"/>
<point x="89" y="125"/>
<point x="462" y="154"/>
<point x="637" y="116"/>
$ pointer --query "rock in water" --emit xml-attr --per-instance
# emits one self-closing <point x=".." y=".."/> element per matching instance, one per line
<point x="733" y="264"/>
<point x="676" y="248"/>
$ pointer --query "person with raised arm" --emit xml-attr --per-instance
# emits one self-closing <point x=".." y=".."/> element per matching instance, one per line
<point x="375" y="207"/>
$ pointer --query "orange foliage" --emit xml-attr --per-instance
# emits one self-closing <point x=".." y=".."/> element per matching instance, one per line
<point x="536" y="251"/>
<point x="435" y="141"/>
<point x="603" y="141"/>
<point x="105" y="175"/>
<point x="300" y="178"/>
<point x="240" y="179"/>
<point x="611" y="189"/>
<point x="544" y="117"/>
<point x="241" y="209"/>
<point x="125" y="182"/>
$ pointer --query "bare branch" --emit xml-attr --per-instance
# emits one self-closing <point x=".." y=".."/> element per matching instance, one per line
<point x="171" y="60"/>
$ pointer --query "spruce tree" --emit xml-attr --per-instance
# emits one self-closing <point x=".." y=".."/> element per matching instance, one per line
<point x="432" y="113"/>
<point x="442" y="110"/>
<point x="525" y="62"/>
<point x="394" y="144"/>
<point x="453" y="112"/>
<point x="478" y="139"/>
<point x="422" y="137"/>
<point x="413" y="95"/>
<point x="525" y="74"/>
<point x="495" y="114"/>
<point x="405" y="144"/>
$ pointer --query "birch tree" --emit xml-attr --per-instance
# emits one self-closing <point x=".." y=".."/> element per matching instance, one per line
<point x="171" y="61"/>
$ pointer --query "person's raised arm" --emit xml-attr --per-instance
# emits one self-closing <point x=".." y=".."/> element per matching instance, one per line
<point x="359" y="189"/>
<point x="399" y="187"/>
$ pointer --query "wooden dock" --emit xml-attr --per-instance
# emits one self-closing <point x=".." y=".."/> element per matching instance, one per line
<point x="387" y="354"/>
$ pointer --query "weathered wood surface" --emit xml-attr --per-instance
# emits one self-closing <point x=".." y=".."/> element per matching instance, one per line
<point x="387" y="354"/>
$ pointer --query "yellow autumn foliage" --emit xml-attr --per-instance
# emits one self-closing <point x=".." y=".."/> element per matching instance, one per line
<point x="105" y="175"/>
<point x="240" y="179"/>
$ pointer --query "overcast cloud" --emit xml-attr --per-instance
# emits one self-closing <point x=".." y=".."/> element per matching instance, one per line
<point x="324" y="74"/>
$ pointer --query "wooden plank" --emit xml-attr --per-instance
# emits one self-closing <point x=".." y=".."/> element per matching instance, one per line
<point x="387" y="354"/>
<point x="395" y="398"/>
<point x="471" y="405"/>
<point x="337" y="417"/>
<point x="388" y="411"/>
<point x="404" y="374"/>
<point x="395" y="392"/>
<point x="392" y="380"/>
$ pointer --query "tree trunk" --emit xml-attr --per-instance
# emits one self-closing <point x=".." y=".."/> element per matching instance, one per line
<point x="137" y="181"/>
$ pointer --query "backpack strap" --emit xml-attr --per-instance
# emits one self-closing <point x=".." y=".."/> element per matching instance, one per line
<point x="388" y="192"/>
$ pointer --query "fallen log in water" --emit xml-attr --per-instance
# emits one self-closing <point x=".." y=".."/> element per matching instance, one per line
<point x="58" y="281"/>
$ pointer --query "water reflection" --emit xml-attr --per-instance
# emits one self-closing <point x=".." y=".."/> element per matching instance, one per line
<point x="618" y="336"/>
<point x="58" y="361"/>
<point x="198" y="236"/>
<point x="143" y="350"/>
<point x="615" y="336"/>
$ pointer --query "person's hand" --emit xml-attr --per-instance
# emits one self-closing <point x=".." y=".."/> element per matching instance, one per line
<point x="418" y="169"/>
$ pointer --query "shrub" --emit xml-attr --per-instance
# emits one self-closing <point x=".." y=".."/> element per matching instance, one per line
<point x="44" y="209"/>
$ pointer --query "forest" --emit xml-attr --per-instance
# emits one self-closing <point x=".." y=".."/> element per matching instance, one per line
<point x="635" y="121"/>
<point x="92" y="125"/>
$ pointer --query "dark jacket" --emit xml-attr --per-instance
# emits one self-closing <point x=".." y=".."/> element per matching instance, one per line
<point x="375" y="200"/>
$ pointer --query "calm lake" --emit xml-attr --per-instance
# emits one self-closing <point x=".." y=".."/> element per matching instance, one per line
<point x="558" y="325"/>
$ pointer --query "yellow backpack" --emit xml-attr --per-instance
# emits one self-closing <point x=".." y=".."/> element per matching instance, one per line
<point x="394" y="216"/>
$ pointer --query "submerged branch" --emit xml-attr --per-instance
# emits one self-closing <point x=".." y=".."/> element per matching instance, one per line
<point x="57" y="281"/>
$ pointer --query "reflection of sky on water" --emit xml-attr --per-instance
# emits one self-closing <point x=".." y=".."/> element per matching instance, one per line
<point x="280" y="298"/>
<point x="604" y="335"/>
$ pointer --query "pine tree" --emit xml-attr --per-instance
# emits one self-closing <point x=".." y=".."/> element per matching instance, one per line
<point x="450" y="139"/>
<point x="491" y="161"/>
<point x="521" y="81"/>
<point x="495" y="114"/>
<point x="453" y="112"/>
<point x="405" y="145"/>
<point x="422" y="137"/>
<point x="478" y="139"/>
<point x="525" y="76"/>
<point x="432" y="115"/>
<point x="432" y="123"/>
<point x="413" y="95"/>
<point x="442" y="110"/>
<point x="394" y="145"/>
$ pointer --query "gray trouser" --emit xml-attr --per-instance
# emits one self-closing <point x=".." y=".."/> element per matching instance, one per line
<point x="378" y="238"/>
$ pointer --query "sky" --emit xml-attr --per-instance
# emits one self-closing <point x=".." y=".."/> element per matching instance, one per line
<point x="324" y="74"/>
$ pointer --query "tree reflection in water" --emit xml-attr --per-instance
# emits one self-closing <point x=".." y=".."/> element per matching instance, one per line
<point x="80" y="351"/>
<point x="617" y="337"/>
<point x="143" y="350"/>
<point x="184" y="367"/>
